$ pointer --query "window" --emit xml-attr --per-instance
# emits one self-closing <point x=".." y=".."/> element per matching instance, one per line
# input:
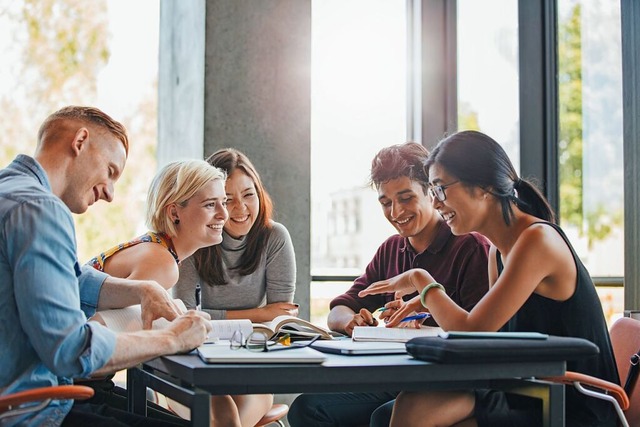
<point x="590" y="139"/>
<point x="488" y="71"/>
<point x="358" y="106"/>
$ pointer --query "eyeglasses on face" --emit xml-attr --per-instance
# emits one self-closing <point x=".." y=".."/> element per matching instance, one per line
<point x="259" y="342"/>
<point x="437" y="191"/>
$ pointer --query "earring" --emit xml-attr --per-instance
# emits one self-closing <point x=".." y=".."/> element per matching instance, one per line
<point x="176" y="221"/>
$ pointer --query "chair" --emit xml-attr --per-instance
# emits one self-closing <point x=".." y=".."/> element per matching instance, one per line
<point x="274" y="415"/>
<point x="36" y="399"/>
<point x="625" y="339"/>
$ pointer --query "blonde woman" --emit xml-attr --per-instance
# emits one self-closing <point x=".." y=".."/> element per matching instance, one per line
<point x="186" y="211"/>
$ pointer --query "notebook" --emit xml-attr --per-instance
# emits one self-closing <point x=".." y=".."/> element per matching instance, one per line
<point x="221" y="353"/>
<point x="382" y="334"/>
<point x="356" y="348"/>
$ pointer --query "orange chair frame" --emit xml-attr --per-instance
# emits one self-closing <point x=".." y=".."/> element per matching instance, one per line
<point x="38" y="398"/>
<point x="625" y="339"/>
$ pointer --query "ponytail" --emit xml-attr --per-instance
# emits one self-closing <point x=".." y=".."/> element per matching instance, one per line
<point x="530" y="200"/>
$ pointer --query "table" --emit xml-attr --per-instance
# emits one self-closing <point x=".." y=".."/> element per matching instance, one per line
<point x="188" y="380"/>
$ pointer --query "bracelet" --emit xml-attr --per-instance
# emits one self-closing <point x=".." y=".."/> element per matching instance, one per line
<point x="426" y="289"/>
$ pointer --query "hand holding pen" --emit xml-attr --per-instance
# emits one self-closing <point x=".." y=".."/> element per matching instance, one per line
<point x="389" y="310"/>
<point x="416" y="318"/>
<point x="406" y="313"/>
<point x="414" y="321"/>
<point x="384" y="313"/>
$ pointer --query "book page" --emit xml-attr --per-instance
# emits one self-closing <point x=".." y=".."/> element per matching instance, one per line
<point x="224" y="329"/>
<point x="261" y="327"/>
<point x="129" y="319"/>
<point x="372" y="333"/>
<point x="297" y="325"/>
<point x="126" y="319"/>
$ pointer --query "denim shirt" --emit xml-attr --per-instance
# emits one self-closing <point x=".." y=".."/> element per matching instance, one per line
<point x="45" y="295"/>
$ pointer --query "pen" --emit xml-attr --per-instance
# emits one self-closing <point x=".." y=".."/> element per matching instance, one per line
<point x="381" y="309"/>
<point x="418" y="316"/>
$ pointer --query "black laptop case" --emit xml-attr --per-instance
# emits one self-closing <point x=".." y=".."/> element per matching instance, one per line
<point x="483" y="350"/>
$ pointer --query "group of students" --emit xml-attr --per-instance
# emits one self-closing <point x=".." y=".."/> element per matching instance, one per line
<point x="477" y="247"/>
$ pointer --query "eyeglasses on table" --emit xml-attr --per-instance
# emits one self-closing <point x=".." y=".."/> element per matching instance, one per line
<point x="259" y="342"/>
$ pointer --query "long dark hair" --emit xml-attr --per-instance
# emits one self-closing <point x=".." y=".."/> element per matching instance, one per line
<point x="208" y="261"/>
<point x="477" y="160"/>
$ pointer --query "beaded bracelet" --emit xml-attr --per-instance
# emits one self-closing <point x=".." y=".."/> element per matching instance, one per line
<point x="426" y="289"/>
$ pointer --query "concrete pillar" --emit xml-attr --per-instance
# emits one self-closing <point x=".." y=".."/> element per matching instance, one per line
<point x="181" y="83"/>
<point x="236" y="73"/>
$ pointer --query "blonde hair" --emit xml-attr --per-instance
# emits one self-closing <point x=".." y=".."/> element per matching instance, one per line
<point x="177" y="182"/>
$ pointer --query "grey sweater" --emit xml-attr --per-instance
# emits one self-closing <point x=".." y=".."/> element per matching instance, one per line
<point x="273" y="281"/>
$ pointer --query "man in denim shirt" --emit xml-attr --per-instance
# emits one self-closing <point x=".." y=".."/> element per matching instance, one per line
<point x="47" y="296"/>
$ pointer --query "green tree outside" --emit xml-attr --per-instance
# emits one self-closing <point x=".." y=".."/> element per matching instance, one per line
<point x="600" y="221"/>
<point x="570" y="113"/>
<point x="63" y="45"/>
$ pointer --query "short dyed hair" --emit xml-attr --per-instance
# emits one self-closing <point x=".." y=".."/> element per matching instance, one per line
<point x="398" y="161"/>
<point x="177" y="182"/>
<point x="89" y="116"/>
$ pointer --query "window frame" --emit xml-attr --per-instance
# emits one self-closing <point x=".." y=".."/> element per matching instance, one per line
<point x="432" y="28"/>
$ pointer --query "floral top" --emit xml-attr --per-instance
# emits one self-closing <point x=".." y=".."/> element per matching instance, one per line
<point x="148" y="237"/>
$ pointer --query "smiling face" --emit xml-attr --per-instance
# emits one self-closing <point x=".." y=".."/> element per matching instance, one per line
<point x="242" y="202"/>
<point x="94" y="171"/>
<point x="464" y="209"/>
<point x="409" y="210"/>
<point x="204" y="215"/>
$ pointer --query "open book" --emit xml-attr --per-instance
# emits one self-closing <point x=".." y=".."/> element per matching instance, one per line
<point x="296" y="327"/>
<point x="380" y="333"/>
<point x="129" y="319"/>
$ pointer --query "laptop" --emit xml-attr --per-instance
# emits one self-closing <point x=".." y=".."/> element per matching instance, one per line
<point x="221" y="353"/>
<point x="358" y="348"/>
